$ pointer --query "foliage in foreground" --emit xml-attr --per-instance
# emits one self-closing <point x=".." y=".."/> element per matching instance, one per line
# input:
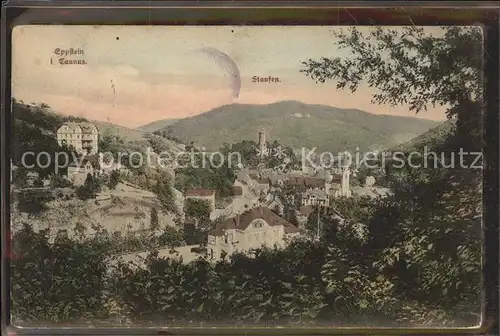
<point x="402" y="261"/>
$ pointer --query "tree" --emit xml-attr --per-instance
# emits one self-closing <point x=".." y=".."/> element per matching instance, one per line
<point x="292" y="218"/>
<point x="33" y="202"/>
<point x="155" y="224"/>
<point x="19" y="177"/>
<point x="197" y="208"/>
<point x="38" y="182"/>
<point x="114" y="178"/>
<point x="171" y="238"/>
<point x="205" y="174"/>
<point x="164" y="192"/>
<point x="57" y="181"/>
<point x="409" y="66"/>
<point x="314" y="222"/>
<point x="247" y="151"/>
<point x="191" y="234"/>
<point x="157" y="144"/>
<point x="426" y="257"/>
<point x="62" y="288"/>
<point x="89" y="189"/>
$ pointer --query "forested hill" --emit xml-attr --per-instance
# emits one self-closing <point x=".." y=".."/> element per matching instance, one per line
<point x="433" y="137"/>
<point x="34" y="129"/>
<point x="298" y="125"/>
<point x="156" y="125"/>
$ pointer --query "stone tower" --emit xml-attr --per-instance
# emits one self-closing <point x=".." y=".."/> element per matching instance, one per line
<point x="262" y="144"/>
<point x="346" y="189"/>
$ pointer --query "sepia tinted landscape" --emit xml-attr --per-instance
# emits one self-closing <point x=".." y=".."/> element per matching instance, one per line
<point x="246" y="176"/>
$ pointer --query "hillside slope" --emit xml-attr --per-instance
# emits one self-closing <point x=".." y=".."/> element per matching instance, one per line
<point x="298" y="125"/>
<point x="34" y="129"/>
<point x="156" y="125"/>
<point x="432" y="138"/>
<point x="117" y="130"/>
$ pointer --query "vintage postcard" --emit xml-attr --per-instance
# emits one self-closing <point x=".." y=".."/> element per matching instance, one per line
<point x="246" y="176"/>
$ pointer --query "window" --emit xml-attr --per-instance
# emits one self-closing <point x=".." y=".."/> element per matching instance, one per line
<point x="228" y="237"/>
<point x="258" y="224"/>
<point x="211" y="240"/>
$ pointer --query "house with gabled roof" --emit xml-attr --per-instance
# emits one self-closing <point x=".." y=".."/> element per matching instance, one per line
<point x="256" y="228"/>
<point x="79" y="169"/>
<point x="82" y="136"/>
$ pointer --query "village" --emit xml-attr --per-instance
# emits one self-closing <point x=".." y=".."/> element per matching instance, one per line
<point x="260" y="212"/>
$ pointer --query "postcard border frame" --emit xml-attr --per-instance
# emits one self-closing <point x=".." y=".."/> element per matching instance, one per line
<point x="67" y="12"/>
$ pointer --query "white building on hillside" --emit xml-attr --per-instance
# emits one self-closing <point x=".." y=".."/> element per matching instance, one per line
<point x="253" y="229"/>
<point x="78" y="171"/>
<point x="84" y="137"/>
<point x="315" y="197"/>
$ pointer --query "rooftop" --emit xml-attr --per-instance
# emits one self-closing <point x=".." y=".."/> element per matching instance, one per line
<point x="199" y="192"/>
<point x="308" y="182"/>
<point x="84" y="126"/>
<point x="92" y="159"/>
<point x="241" y="222"/>
<point x="317" y="193"/>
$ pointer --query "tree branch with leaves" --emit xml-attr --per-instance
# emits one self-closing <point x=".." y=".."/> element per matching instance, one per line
<point x="408" y="65"/>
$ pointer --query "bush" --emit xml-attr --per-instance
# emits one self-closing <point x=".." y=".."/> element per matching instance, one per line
<point x="33" y="202"/>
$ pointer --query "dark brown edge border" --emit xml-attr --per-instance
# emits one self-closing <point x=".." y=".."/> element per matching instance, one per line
<point x="269" y="13"/>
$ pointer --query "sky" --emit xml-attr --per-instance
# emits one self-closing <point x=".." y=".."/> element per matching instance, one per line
<point x="137" y="75"/>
